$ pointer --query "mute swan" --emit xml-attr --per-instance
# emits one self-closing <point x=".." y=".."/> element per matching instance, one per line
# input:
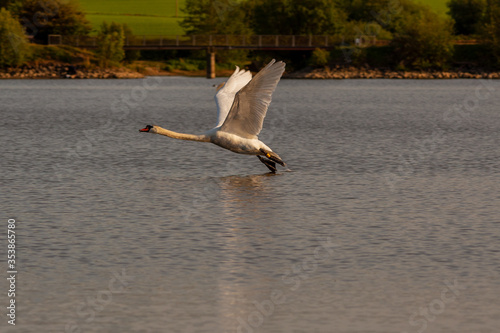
<point x="242" y="104"/>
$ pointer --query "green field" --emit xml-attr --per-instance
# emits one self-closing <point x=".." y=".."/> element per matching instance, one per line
<point x="158" y="17"/>
<point x="145" y="17"/>
<point x="141" y="25"/>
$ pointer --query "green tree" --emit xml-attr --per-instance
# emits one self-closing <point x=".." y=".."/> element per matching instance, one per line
<point x="270" y="17"/>
<point x="467" y="15"/>
<point x="295" y="17"/>
<point x="316" y="17"/>
<point x="14" y="46"/>
<point x="424" y="40"/>
<point x="44" y="18"/>
<point x="110" y="43"/>
<point x="11" y="5"/>
<point x="357" y="29"/>
<point x="214" y="17"/>
<point x="364" y="10"/>
<point x="319" y="58"/>
<point x="491" y="29"/>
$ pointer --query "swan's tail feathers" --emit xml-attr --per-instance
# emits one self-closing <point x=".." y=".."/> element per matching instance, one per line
<point x="268" y="163"/>
<point x="273" y="157"/>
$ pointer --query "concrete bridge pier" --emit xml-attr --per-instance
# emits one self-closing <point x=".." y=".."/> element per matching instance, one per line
<point x="210" y="63"/>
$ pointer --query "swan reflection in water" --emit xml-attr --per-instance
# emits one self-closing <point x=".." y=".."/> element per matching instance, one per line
<point x="252" y="185"/>
<point x="245" y="197"/>
<point x="246" y="239"/>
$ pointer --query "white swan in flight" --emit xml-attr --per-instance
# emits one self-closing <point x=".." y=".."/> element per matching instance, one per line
<point x="242" y="105"/>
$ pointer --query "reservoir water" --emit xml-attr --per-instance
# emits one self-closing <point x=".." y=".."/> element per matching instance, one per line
<point x="386" y="220"/>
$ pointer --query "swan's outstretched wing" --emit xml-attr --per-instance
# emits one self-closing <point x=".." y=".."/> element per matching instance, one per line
<point x="250" y="104"/>
<point x="225" y="96"/>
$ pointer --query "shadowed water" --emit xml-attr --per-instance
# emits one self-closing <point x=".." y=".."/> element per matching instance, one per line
<point x="387" y="219"/>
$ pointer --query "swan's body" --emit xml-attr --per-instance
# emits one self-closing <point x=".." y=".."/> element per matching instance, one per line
<point x="242" y="104"/>
<point x="238" y="144"/>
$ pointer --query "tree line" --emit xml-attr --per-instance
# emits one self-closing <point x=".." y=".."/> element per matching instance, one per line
<point x="419" y="38"/>
<point x="25" y="20"/>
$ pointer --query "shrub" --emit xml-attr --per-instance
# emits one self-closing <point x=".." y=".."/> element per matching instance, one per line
<point x="319" y="58"/>
<point x="50" y="52"/>
<point x="185" y="64"/>
<point x="63" y="53"/>
<point x="110" y="44"/>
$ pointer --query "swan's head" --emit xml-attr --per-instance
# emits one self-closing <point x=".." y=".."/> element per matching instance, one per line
<point x="149" y="128"/>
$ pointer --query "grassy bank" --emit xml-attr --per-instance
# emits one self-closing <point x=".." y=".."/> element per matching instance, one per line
<point x="146" y="17"/>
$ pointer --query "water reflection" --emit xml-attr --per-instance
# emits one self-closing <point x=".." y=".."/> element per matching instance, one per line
<point x="234" y="187"/>
<point x="247" y="197"/>
<point x="242" y="199"/>
<point x="206" y="249"/>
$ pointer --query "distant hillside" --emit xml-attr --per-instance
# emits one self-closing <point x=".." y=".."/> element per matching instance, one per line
<point x="145" y="17"/>
<point x="158" y="17"/>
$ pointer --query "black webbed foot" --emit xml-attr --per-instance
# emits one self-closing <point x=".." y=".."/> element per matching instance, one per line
<point x="273" y="157"/>
<point x="269" y="164"/>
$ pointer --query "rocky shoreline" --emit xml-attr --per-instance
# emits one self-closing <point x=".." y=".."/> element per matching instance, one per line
<point x="56" y="71"/>
<point x="369" y="73"/>
<point x="61" y="71"/>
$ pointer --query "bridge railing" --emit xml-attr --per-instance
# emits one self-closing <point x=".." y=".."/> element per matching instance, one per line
<point x="242" y="41"/>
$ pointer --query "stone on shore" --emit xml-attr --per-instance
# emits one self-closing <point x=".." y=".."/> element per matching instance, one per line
<point x="51" y="71"/>
<point x="366" y="73"/>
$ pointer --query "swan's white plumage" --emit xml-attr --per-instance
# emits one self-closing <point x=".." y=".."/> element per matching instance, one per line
<point x="242" y="105"/>
<point x="225" y="96"/>
<point x="247" y="113"/>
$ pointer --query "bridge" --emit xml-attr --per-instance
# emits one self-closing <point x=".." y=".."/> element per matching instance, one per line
<point x="211" y="43"/>
<point x="197" y="42"/>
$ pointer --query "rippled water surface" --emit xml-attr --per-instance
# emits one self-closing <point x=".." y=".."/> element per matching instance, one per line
<point x="387" y="220"/>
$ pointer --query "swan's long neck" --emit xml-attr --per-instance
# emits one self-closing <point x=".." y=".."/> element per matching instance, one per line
<point x="182" y="136"/>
